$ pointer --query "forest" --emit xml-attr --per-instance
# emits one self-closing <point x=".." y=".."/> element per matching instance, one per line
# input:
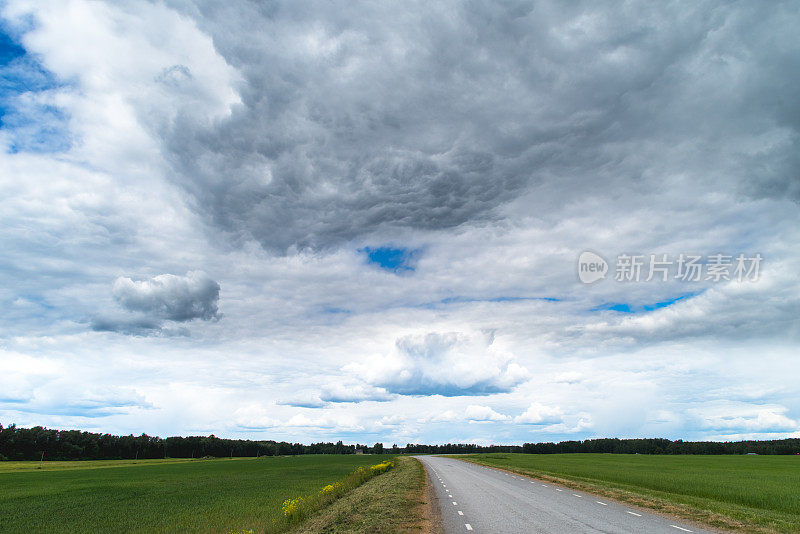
<point x="39" y="443"/>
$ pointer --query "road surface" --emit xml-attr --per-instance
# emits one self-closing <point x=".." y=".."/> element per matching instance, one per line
<point x="485" y="500"/>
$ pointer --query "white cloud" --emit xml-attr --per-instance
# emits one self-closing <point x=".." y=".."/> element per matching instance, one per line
<point x="338" y="422"/>
<point x="447" y="416"/>
<point x="391" y="420"/>
<point x="21" y="375"/>
<point x="254" y="416"/>
<point x="743" y="417"/>
<point x="257" y="417"/>
<point x="540" y="414"/>
<point x="449" y="363"/>
<point x="582" y="424"/>
<point x="476" y="412"/>
<point x="303" y="399"/>
<point x="343" y="392"/>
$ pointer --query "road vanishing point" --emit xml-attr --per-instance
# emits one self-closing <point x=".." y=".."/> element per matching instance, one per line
<point x="485" y="500"/>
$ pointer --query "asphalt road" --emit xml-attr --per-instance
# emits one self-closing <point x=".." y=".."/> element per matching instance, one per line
<point x="485" y="500"/>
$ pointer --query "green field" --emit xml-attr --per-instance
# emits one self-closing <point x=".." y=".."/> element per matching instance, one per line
<point x="754" y="491"/>
<point x="216" y="495"/>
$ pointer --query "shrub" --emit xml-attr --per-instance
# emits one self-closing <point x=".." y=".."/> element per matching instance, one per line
<point x="293" y="509"/>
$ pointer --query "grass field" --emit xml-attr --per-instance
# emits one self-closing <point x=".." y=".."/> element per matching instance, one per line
<point x="751" y="493"/>
<point x="218" y="495"/>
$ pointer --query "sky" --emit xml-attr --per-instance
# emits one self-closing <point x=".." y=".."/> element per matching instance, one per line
<point x="367" y="221"/>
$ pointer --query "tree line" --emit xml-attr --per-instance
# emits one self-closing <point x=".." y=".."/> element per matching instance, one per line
<point x="621" y="446"/>
<point x="38" y="442"/>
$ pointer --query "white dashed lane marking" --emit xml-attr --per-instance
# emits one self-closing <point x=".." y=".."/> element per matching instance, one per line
<point x="557" y="489"/>
<point x="681" y="528"/>
<point x="600" y="502"/>
<point x="455" y="503"/>
<point x="576" y="495"/>
<point x="634" y="513"/>
<point x="469" y="527"/>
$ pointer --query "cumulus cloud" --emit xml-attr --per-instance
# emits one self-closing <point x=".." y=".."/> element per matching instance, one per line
<point x="472" y="413"/>
<point x="304" y="399"/>
<point x="44" y="386"/>
<point x="476" y="412"/>
<point x="449" y="364"/>
<point x="21" y="375"/>
<point x="581" y="424"/>
<point x="257" y="416"/>
<point x="254" y="416"/>
<point x="742" y="417"/>
<point x="342" y="422"/>
<point x="447" y="416"/>
<point x="90" y="402"/>
<point x="170" y="297"/>
<point x="540" y="414"/>
<point x="341" y="392"/>
<point x="166" y="297"/>
<point x="391" y="420"/>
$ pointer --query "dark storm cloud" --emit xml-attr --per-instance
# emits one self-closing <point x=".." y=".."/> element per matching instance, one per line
<point x="170" y="297"/>
<point x="149" y="303"/>
<point x="361" y="117"/>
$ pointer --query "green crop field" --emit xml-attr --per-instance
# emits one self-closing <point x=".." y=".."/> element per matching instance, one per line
<point x="754" y="491"/>
<point x="216" y="495"/>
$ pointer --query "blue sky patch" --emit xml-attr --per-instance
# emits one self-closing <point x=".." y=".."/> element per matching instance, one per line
<point x="670" y="302"/>
<point x="623" y="307"/>
<point x="34" y="124"/>
<point x="514" y="299"/>
<point x="9" y="49"/>
<point x="390" y="259"/>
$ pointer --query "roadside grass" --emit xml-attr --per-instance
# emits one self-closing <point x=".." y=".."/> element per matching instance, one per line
<point x="209" y="495"/>
<point x="297" y="509"/>
<point x="392" y="503"/>
<point x="742" y="493"/>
